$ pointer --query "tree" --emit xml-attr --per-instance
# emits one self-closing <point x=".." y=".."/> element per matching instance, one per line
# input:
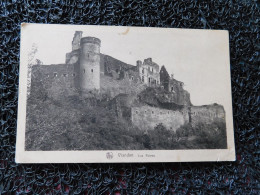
<point x="31" y="55"/>
<point x="31" y="62"/>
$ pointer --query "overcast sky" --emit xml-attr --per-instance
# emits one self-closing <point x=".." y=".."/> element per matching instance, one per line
<point x="199" y="58"/>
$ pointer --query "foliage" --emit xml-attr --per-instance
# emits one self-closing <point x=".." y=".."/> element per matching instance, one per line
<point x="74" y="123"/>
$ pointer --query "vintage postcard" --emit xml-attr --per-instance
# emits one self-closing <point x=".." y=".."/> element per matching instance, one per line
<point x="103" y="94"/>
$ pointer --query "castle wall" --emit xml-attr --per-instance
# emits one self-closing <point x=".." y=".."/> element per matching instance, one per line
<point x="147" y="117"/>
<point x="116" y="68"/>
<point x="55" y="80"/>
<point x="72" y="57"/>
<point x="113" y="87"/>
<point x="207" y="114"/>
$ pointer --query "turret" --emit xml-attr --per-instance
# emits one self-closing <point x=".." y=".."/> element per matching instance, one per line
<point x="138" y="63"/>
<point x="89" y="65"/>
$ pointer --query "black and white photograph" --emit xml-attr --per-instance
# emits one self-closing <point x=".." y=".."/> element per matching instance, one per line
<point x="130" y="94"/>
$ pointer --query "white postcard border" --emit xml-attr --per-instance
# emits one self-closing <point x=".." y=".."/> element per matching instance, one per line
<point x="112" y="156"/>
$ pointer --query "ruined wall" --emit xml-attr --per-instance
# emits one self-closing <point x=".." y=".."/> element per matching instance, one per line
<point x="76" y="40"/>
<point x="112" y="87"/>
<point x="72" y="57"/>
<point x="159" y="97"/>
<point x="116" y="68"/>
<point x="176" y="93"/>
<point x="147" y="117"/>
<point x="207" y="114"/>
<point x="149" y="72"/>
<point x="55" y="80"/>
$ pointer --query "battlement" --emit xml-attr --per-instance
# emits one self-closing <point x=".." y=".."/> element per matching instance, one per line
<point x="93" y="40"/>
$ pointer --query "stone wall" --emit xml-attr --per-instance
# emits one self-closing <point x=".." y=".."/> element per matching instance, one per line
<point x="206" y="114"/>
<point x="112" y="87"/>
<point x="147" y="117"/>
<point x="76" y="40"/>
<point x="55" y="80"/>
<point x="117" y="69"/>
<point x="72" y="57"/>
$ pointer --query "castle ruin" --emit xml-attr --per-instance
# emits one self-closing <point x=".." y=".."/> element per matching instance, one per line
<point x="144" y="94"/>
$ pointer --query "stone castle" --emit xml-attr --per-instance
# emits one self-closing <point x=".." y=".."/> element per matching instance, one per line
<point x="143" y="94"/>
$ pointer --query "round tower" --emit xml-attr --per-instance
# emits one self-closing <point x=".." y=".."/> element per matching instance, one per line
<point x="89" y="65"/>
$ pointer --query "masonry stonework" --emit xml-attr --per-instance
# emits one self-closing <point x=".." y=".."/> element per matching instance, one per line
<point x="207" y="114"/>
<point x="147" y="117"/>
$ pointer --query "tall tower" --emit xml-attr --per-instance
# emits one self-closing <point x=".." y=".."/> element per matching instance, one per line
<point x="89" y="65"/>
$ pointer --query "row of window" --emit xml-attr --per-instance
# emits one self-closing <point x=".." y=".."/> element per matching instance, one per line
<point x="84" y="71"/>
<point x="150" y="80"/>
<point x="55" y="74"/>
<point x="204" y="114"/>
<point x="149" y="68"/>
<point x="194" y="113"/>
<point x="162" y="112"/>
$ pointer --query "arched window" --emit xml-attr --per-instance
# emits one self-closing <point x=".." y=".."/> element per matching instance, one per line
<point x="91" y="70"/>
<point x="142" y="78"/>
<point x="149" y="80"/>
<point x="143" y="70"/>
<point x="84" y="71"/>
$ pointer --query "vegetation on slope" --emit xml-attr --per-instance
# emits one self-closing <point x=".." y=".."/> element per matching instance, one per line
<point x="73" y="123"/>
